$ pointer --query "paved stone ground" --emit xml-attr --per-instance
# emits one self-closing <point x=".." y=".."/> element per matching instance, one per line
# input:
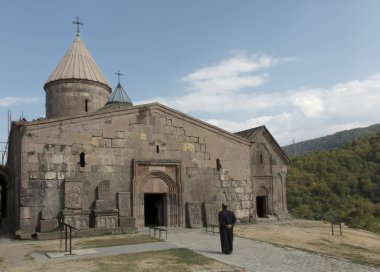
<point x="259" y="256"/>
<point x="249" y="254"/>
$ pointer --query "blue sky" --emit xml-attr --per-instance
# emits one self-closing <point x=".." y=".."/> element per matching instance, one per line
<point x="304" y="69"/>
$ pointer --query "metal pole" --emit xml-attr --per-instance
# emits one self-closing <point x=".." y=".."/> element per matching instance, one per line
<point x="71" y="253"/>
<point x="65" y="238"/>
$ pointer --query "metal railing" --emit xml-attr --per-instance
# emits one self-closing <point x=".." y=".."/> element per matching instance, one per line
<point x="67" y="228"/>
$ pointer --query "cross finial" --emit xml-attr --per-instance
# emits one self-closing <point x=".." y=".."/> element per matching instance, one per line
<point x="118" y="75"/>
<point x="78" y="23"/>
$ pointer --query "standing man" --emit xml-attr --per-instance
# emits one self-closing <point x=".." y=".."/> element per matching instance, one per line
<point x="227" y="221"/>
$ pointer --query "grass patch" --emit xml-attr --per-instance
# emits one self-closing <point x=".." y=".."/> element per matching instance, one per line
<point x="178" y="259"/>
<point x="167" y="260"/>
<point x="130" y="239"/>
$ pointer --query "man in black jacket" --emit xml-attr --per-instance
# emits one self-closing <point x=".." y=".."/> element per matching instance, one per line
<point x="227" y="221"/>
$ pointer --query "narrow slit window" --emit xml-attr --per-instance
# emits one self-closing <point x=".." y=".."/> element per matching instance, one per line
<point x="86" y="105"/>
<point x="261" y="158"/>
<point x="157" y="148"/>
<point x="218" y="165"/>
<point x="82" y="159"/>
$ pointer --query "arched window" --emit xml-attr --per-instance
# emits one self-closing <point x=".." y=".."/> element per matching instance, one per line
<point x="82" y="159"/>
<point x="218" y="164"/>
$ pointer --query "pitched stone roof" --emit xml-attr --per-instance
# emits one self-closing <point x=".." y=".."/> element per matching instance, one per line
<point x="249" y="134"/>
<point x="78" y="64"/>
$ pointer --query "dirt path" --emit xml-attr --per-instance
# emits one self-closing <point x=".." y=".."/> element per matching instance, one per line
<point x="16" y="255"/>
<point x="316" y="236"/>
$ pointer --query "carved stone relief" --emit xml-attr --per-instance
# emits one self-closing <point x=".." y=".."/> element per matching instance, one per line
<point x="104" y="189"/>
<point x="73" y="195"/>
<point x="194" y="219"/>
<point x="211" y="209"/>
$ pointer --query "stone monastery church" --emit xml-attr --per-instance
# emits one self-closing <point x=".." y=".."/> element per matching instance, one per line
<point x="104" y="165"/>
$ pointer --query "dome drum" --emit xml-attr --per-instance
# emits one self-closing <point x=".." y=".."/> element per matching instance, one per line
<point x="73" y="97"/>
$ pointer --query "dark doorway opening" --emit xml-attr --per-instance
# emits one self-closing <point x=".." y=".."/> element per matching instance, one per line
<point x="154" y="209"/>
<point x="261" y="206"/>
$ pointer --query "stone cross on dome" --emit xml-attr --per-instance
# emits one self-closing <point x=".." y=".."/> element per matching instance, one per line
<point x="118" y="75"/>
<point x="78" y="23"/>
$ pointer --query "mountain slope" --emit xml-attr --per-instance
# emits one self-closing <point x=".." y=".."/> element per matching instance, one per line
<point x="329" y="142"/>
<point x="342" y="183"/>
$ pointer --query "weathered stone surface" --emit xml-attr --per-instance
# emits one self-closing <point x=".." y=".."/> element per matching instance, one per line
<point x="73" y="194"/>
<point x="124" y="203"/>
<point x="127" y="221"/>
<point x="48" y="225"/>
<point x="48" y="213"/>
<point x="107" y="220"/>
<point x="54" y="235"/>
<point x="104" y="189"/>
<point x="211" y="210"/>
<point x="26" y="226"/>
<point x="24" y="236"/>
<point x="105" y="204"/>
<point x="25" y="213"/>
<point x="193" y="211"/>
<point x="80" y="219"/>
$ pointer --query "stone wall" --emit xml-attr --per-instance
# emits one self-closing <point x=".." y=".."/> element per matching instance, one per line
<point x="102" y="146"/>
<point x="69" y="97"/>
<point x="269" y="169"/>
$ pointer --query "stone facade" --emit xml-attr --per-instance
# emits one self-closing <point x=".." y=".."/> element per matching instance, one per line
<point x="137" y="153"/>
<point x="103" y="165"/>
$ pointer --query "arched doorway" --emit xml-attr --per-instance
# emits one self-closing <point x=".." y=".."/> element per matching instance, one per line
<point x="262" y="202"/>
<point x="157" y="194"/>
<point x="154" y="209"/>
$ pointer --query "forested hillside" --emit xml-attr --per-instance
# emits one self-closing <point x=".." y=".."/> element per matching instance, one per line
<point x="343" y="183"/>
<point x="329" y="142"/>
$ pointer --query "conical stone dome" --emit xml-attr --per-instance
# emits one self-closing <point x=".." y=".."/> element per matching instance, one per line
<point x="77" y="85"/>
<point x="78" y="64"/>
<point x="118" y="99"/>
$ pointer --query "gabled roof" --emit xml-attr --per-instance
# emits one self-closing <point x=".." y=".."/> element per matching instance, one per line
<point x="139" y="109"/>
<point x="250" y="134"/>
<point x="78" y="64"/>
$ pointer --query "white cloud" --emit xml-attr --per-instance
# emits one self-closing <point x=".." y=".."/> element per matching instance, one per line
<point x="231" y="75"/>
<point x="11" y="100"/>
<point x="310" y="102"/>
<point x="231" y="87"/>
<point x="232" y="67"/>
